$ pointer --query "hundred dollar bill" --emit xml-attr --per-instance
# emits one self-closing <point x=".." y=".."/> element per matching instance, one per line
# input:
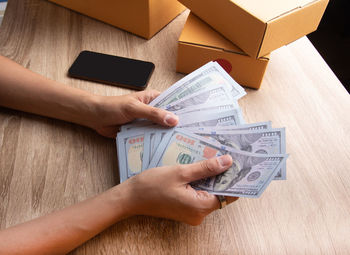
<point x="251" y="126"/>
<point x="248" y="176"/>
<point x="154" y="141"/>
<point x="202" y="78"/>
<point x="151" y="142"/>
<point x="130" y="152"/>
<point x="140" y="123"/>
<point x="222" y="106"/>
<point x="232" y="117"/>
<point x="217" y="93"/>
<point x="270" y="141"/>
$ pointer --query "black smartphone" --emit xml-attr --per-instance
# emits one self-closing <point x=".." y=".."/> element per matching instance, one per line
<point x="113" y="70"/>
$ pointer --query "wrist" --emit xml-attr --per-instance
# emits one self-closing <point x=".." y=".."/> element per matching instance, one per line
<point x="70" y="104"/>
<point x="120" y="199"/>
<point x="92" y="110"/>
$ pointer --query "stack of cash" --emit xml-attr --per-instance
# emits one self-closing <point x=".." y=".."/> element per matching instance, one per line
<point x="210" y="124"/>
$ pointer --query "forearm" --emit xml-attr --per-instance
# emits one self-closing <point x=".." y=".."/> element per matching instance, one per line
<point x="24" y="90"/>
<point x="62" y="231"/>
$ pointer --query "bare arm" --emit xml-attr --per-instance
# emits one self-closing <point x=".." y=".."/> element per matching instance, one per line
<point x="160" y="192"/>
<point x="24" y="90"/>
<point x="62" y="231"/>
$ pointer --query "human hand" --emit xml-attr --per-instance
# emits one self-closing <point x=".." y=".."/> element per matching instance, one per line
<point x="165" y="191"/>
<point x="113" y="111"/>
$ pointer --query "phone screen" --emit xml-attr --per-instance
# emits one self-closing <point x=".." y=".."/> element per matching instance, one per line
<point x="113" y="70"/>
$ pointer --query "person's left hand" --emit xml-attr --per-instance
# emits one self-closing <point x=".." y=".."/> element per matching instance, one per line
<point x="165" y="191"/>
<point x="113" y="111"/>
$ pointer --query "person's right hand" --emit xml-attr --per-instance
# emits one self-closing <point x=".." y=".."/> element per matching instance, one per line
<point x="165" y="191"/>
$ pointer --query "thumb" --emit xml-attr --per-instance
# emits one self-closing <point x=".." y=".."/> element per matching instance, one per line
<point x="206" y="168"/>
<point x="156" y="115"/>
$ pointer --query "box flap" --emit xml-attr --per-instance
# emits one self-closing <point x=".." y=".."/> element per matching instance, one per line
<point x="198" y="32"/>
<point x="284" y="30"/>
<point x="267" y="10"/>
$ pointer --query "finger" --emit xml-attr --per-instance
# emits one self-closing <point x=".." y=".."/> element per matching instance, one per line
<point x="156" y="115"/>
<point x="210" y="201"/>
<point x="207" y="200"/>
<point x="110" y="131"/>
<point x="147" y="96"/>
<point x="206" y="168"/>
<point x="231" y="199"/>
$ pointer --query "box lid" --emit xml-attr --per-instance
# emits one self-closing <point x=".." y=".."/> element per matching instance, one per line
<point x="199" y="33"/>
<point x="267" y="10"/>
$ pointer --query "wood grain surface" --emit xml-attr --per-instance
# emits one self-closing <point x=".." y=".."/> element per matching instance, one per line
<point x="47" y="164"/>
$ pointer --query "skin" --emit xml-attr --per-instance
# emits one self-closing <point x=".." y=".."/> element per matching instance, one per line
<point x="160" y="192"/>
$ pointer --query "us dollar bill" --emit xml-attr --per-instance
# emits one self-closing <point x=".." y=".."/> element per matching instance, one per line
<point x="221" y="106"/>
<point x="208" y="75"/>
<point x="231" y="117"/>
<point x="209" y="96"/>
<point x="248" y="176"/>
<point x="202" y="119"/>
<point x="250" y="126"/>
<point x="130" y="147"/>
<point x="152" y="140"/>
<point x="269" y="141"/>
<point x="140" y="123"/>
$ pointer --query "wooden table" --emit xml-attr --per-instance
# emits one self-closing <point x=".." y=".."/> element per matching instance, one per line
<point x="47" y="164"/>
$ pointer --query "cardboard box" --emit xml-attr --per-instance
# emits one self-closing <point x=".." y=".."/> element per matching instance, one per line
<point x="260" y="26"/>
<point x="199" y="44"/>
<point x="141" y="17"/>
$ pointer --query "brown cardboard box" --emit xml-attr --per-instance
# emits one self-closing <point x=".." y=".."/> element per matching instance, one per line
<point x="260" y="26"/>
<point x="142" y="17"/>
<point x="199" y="44"/>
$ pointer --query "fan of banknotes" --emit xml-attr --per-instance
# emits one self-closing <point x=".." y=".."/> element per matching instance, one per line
<point x="210" y="124"/>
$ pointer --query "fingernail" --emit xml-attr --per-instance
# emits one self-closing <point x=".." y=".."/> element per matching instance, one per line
<point x="171" y="119"/>
<point x="225" y="160"/>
